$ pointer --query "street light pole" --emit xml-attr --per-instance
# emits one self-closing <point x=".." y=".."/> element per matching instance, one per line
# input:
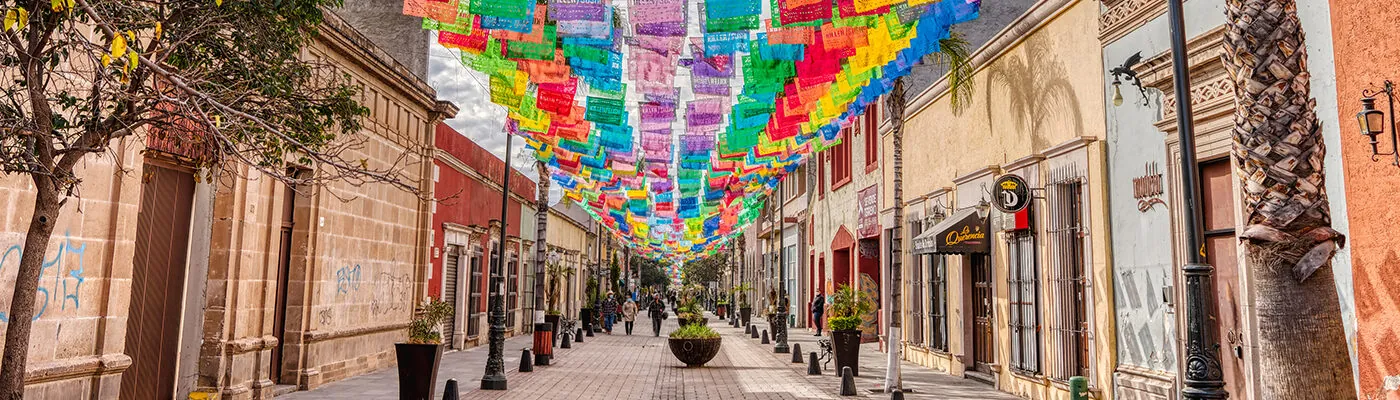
<point x="780" y="328"/>
<point x="495" y="378"/>
<point x="1203" y="377"/>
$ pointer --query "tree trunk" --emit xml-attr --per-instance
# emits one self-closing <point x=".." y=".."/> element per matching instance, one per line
<point x="541" y="220"/>
<point x="893" y="380"/>
<point x="1300" y="347"/>
<point x="21" y="317"/>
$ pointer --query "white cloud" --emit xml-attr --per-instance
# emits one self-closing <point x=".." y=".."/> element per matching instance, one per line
<point x="478" y="118"/>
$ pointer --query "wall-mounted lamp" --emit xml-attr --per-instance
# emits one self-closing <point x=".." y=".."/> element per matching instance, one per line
<point x="1123" y="72"/>
<point x="1373" y="121"/>
<point x="983" y="208"/>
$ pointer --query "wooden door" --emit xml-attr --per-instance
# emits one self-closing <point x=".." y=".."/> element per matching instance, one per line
<point x="284" y="269"/>
<point x="982" y="341"/>
<point x="157" y="282"/>
<point x="450" y="261"/>
<point x="1218" y="207"/>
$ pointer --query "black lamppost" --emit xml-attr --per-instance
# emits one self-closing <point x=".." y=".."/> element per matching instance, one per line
<point x="780" y="328"/>
<point x="1203" y="377"/>
<point x="495" y="378"/>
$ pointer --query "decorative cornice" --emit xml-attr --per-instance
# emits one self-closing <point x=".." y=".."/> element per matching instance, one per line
<point x="1124" y="16"/>
<point x="357" y="47"/>
<point x="1209" y="82"/>
<point x="1014" y="33"/>
<point x="978" y="173"/>
<point x="68" y="368"/>
<point x="321" y="336"/>
<point x="1023" y="162"/>
<point x="1068" y="146"/>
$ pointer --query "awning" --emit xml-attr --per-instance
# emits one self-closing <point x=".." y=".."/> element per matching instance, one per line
<point x="963" y="233"/>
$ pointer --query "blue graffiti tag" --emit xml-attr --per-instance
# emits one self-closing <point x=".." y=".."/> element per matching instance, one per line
<point x="65" y="247"/>
<point x="347" y="278"/>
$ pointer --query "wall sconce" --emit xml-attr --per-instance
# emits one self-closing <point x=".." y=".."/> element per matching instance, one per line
<point x="983" y="208"/>
<point x="1126" y="71"/>
<point x="1373" y="121"/>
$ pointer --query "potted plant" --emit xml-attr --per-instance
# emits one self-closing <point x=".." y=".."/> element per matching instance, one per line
<point x="694" y="345"/>
<point x="585" y="314"/>
<point x="688" y="311"/>
<point x="847" y="305"/>
<point x="418" y="358"/>
<point x="745" y="310"/>
<point x="556" y="272"/>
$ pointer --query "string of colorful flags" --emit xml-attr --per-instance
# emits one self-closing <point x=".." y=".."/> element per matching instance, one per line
<point x="672" y="121"/>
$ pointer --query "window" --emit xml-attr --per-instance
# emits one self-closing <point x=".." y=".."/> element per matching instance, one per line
<point x="872" y="141"/>
<point x="841" y="160"/>
<point x="1024" y="287"/>
<point x="821" y="174"/>
<point x="938" y="302"/>
<point x="916" y="292"/>
<point x="474" y="302"/>
<point x="512" y="289"/>
<point x="794" y="184"/>
<point x="1068" y="285"/>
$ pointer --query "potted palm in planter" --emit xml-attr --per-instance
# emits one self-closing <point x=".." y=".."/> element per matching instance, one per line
<point x="418" y="358"/>
<point x="745" y="310"/>
<point x="688" y="311"/>
<point x="585" y="314"/>
<point x="694" y="345"/>
<point x="556" y="272"/>
<point x="847" y="305"/>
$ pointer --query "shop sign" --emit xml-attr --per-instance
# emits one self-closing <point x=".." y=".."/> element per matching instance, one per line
<point x="869" y="221"/>
<point x="1011" y="193"/>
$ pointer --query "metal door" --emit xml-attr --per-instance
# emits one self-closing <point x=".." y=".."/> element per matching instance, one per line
<point x="449" y="293"/>
<point x="157" y="282"/>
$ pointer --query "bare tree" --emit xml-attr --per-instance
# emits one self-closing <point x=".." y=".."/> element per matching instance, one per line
<point x="224" y="87"/>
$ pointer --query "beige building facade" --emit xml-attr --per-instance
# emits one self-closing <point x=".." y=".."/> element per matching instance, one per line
<point x="1030" y="305"/>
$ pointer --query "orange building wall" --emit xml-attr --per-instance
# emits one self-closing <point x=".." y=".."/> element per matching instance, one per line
<point x="1367" y="49"/>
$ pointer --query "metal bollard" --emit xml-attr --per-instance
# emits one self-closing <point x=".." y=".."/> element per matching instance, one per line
<point x="450" y="392"/>
<point x="527" y="363"/>
<point x="765" y="337"/>
<point x="797" y="353"/>
<point x="848" y="382"/>
<point x="578" y="337"/>
<point x="897" y="394"/>
<point x="565" y="342"/>
<point x="812" y="367"/>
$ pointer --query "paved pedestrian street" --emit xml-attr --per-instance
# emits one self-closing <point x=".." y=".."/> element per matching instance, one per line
<point x="640" y="366"/>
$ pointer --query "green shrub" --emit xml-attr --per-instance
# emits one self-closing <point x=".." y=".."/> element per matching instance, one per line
<point x="694" y="332"/>
<point x="426" y="320"/>
<point x="847" y="306"/>
<point x="843" y="323"/>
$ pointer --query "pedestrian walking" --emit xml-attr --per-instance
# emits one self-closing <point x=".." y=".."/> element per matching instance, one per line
<point x="629" y="315"/>
<point x="657" y="311"/>
<point x="818" y="307"/>
<point x="609" y="307"/>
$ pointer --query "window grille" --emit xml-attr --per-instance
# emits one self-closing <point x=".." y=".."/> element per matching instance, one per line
<point x="1024" y="288"/>
<point x="1068" y="282"/>
<point x="938" y="302"/>
<point x="916" y="292"/>
<point x="474" y="302"/>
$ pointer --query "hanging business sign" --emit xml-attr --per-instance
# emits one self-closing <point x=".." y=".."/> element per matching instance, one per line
<point x="1011" y="194"/>
<point x="964" y="232"/>
<point x="869" y="212"/>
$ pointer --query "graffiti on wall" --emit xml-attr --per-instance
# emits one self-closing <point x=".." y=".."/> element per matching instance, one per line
<point x="391" y="293"/>
<point x="60" y="276"/>
<point x="347" y="279"/>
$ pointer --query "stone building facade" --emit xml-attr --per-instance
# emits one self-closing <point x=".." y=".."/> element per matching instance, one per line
<point x="239" y="287"/>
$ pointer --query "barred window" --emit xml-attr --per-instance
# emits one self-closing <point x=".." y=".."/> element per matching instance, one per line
<point x="512" y="288"/>
<point x="1069" y="291"/>
<point x="1024" y="286"/>
<point x="474" y="302"/>
<point x="938" y="302"/>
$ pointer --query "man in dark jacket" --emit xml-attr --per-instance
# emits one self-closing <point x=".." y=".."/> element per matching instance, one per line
<point x="609" y="307"/>
<point x="818" y="307"/>
<point x="655" y="310"/>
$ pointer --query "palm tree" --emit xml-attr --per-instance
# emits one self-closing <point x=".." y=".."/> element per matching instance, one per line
<point x="1302" y="350"/>
<point x="953" y="53"/>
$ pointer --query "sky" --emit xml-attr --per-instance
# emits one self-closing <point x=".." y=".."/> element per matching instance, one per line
<point x="478" y="119"/>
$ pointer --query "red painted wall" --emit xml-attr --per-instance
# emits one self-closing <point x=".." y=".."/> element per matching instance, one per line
<point x="472" y="201"/>
<point x="1367" y="50"/>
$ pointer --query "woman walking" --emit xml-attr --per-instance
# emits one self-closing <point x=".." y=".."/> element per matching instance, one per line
<point x="657" y="311"/>
<point x="629" y="315"/>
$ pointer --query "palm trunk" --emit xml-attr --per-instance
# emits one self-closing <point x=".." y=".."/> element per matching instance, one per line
<point x="896" y="109"/>
<point x="1300" y="348"/>
<point x="21" y="316"/>
<point x="541" y="221"/>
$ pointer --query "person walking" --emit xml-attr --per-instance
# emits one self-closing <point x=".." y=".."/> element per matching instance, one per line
<point x="818" y="307"/>
<point x="629" y="315"/>
<point x="609" y="307"/>
<point x="657" y="311"/>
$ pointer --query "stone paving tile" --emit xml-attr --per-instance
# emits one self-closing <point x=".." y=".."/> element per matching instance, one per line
<point x="637" y="367"/>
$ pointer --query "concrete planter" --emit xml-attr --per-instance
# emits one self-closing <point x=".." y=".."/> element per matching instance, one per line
<point x="418" y="367"/>
<point x="694" y="352"/>
<point x="845" y="348"/>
